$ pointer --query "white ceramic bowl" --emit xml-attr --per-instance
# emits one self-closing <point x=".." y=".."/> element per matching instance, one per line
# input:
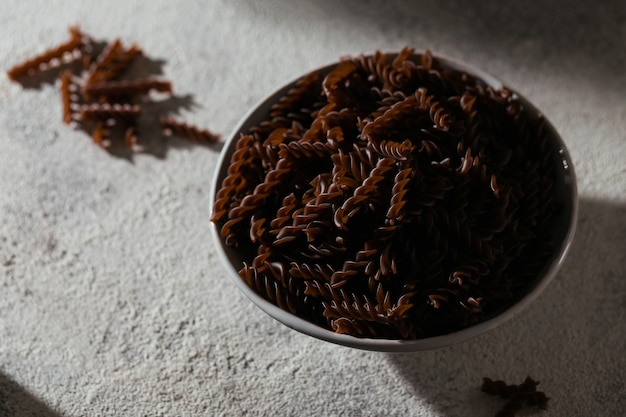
<point x="564" y="227"/>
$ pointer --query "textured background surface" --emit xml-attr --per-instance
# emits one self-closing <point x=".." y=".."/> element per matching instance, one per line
<point x="112" y="300"/>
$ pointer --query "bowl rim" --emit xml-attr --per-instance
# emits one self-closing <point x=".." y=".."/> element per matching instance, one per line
<point x="392" y="345"/>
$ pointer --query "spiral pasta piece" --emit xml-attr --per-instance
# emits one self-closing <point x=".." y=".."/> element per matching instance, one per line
<point x="109" y="111"/>
<point x="45" y="59"/>
<point x="112" y="62"/>
<point x="189" y="131"/>
<point x="66" y="100"/>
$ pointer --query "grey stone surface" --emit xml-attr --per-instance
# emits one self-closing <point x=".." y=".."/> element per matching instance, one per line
<point x="113" y="301"/>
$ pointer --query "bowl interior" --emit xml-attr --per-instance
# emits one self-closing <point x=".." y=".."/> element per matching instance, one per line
<point x="562" y="232"/>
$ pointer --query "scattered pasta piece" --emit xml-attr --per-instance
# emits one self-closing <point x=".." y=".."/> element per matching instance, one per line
<point x="183" y="129"/>
<point x="48" y="59"/>
<point x="517" y="396"/>
<point x="66" y="96"/>
<point x="97" y="98"/>
<point x="109" y="111"/>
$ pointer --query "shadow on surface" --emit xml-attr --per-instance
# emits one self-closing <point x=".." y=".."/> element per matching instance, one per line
<point x="582" y="311"/>
<point x="581" y="40"/>
<point x="15" y="401"/>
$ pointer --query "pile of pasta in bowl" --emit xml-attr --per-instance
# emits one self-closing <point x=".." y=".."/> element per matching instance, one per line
<point x="393" y="197"/>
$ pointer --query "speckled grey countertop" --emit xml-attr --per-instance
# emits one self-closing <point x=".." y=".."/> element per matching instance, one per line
<point x="114" y="303"/>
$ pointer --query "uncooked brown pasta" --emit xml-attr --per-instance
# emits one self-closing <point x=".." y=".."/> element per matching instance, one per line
<point x="517" y="396"/>
<point x="61" y="53"/>
<point x="109" y="111"/>
<point x="66" y="100"/>
<point x="189" y="131"/>
<point x="113" y="60"/>
<point x="303" y="92"/>
<point x="96" y="98"/>
<point x="390" y="197"/>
